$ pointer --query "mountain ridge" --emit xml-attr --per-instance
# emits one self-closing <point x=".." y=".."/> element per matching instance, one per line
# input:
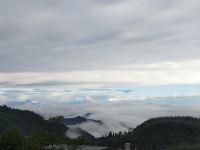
<point x="79" y="120"/>
<point x="28" y="121"/>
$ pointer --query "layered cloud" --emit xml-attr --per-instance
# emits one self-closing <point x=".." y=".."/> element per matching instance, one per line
<point x="162" y="73"/>
<point x="92" y="34"/>
<point x="114" y="104"/>
<point x="67" y="41"/>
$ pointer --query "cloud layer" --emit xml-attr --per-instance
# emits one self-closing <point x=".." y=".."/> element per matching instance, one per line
<point x="111" y="105"/>
<point x="161" y="73"/>
<point x="99" y="41"/>
<point x="92" y="34"/>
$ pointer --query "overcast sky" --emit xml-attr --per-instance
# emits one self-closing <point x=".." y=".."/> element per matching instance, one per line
<point x="91" y="51"/>
<point x="92" y="40"/>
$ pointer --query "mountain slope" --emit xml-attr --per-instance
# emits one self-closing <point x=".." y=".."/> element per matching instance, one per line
<point x="159" y="132"/>
<point x="168" y="130"/>
<point x="27" y="122"/>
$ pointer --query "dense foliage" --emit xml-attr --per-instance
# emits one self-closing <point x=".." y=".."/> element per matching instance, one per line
<point x="158" y="133"/>
<point x="11" y="139"/>
<point x="27" y="122"/>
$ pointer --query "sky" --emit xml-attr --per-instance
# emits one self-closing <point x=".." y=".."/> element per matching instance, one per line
<point x="121" y="60"/>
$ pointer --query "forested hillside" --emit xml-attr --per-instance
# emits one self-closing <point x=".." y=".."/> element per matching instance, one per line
<point x="28" y="122"/>
<point x="158" y="132"/>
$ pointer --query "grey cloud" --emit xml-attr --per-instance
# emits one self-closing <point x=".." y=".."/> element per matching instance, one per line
<point x="165" y="4"/>
<point x="68" y="35"/>
<point x="107" y="1"/>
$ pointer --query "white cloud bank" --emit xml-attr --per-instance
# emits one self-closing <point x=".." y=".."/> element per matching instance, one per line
<point x="162" y="73"/>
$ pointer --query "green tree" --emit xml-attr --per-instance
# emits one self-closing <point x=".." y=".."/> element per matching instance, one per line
<point x="41" y="140"/>
<point x="75" y="144"/>
<point x="11" y="139"/>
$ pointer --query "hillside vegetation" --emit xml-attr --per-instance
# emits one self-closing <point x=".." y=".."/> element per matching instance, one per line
<point x="26" y="130"/>
<point x="28" y="122"/>
<point x="158" y="133"/>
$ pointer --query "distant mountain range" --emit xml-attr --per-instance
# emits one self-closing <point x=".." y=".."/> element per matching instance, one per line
<point x="91" y="125"/>
<point x="79" y="120"/>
